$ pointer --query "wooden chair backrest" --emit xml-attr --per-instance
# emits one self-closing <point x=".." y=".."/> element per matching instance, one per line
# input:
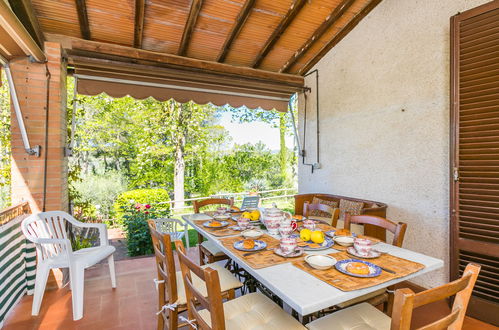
<point x="398" y="229"/>
<point x="212" y="303"/>
<point x="165" y="265"/>
<point x="333" y="212"/>
<point x="212" y="201"/>
<point x="406" y="300"/>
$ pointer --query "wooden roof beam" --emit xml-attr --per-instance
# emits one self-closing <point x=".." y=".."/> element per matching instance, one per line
<point x="26" y="14"/>
<point x="81" y="8"/>
<point x="283" y="25"/>
<point x="338" y="37"/>
<point x="189" y="26"/>
<point x="236" y="28"/>
<point x="117" y="52"/>
<point x="16" y="31"/>
<point x="140" y="9"/>
<point x="330" y="20"/>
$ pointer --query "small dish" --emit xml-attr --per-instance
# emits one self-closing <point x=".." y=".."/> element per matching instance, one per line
<point x="344" y="240"/>
<point x="321" y="262"/>
<point x="252" y="233"/>
<point x="259" y="245"/>
<point x="371" y="255"/>
<point x="221" y="217"/>
<point x="331" y="233"/>
<point x="209" y="224"/>
<point x="374" y="270"/>
<point x="296" y="253"/>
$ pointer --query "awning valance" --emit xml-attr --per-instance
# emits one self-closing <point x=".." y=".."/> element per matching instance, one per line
<point x="119" y="79"/>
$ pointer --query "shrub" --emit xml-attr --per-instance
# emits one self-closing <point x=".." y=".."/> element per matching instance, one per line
<point x="136" y="228"/>
<point x="101" y="190"/>
<point x="142" y="196"/>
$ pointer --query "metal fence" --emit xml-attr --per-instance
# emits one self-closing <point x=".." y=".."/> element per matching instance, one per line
<point x="238" y="197"/>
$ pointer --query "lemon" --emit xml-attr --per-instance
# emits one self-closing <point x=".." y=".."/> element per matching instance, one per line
<point x="305" y="234"/>
<point x="255" y="215"/>
<point x="246" y="215"/>
<point x="317" y="237"/>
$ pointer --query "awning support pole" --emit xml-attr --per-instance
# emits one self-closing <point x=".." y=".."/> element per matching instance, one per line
<point x="17" y="108"/>
<point x="297" y="137"/>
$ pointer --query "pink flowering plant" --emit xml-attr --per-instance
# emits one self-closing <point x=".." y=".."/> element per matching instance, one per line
<point x="136" y="229"/>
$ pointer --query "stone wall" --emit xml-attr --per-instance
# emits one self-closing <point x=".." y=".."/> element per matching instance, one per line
<point x="384" y="119"/>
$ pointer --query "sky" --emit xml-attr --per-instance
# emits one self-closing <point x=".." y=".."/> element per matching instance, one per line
<point x="253" y="132"/>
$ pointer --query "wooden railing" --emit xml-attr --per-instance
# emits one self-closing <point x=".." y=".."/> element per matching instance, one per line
<point x="13" y="212"/>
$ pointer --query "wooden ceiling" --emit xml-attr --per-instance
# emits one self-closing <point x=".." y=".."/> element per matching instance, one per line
<point x="284" y="36"/>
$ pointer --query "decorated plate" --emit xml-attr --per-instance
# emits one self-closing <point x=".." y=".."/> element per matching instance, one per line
<point x="209" y="224"/>
<point x="372" y="254"/>
<point x="330" y="233"/>
<point x="297" y="252"/>
<point x="373" y="269"/>
<point x="259" y="245"/>
<point x="311" y="246"/>
<point x="251" y="221"/>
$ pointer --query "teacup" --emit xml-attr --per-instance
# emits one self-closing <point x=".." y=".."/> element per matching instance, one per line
<point x="221" y="210"/>
<point x="288" y="245"/>
<point x="362" y="246"/>
<point x="243" y="223"/>
<point x="309" y="224"/>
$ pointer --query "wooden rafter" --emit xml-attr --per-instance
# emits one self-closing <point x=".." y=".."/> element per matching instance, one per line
<point x="81" y="8"/>
<point x="25" y="13"/>
<point x="140" y="6"/>
<point x="330" y="20"/>
<point x="338" y="37"/>
<point x="283" y="25"/>
<point x="14" y="33"/>
<point x="134" y="55"/>
<point x="240" y="20"/>
<point x="189" y="26"/>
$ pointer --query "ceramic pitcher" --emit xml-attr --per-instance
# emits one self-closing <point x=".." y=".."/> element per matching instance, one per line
<point x="273" y="217"/>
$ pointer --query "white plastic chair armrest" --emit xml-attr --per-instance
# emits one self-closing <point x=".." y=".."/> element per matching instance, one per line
<point x="66" y="242"/>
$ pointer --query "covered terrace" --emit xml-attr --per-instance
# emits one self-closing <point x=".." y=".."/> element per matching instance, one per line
<point x="375" y="105"/>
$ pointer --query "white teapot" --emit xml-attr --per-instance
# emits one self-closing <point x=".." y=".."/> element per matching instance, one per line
<point x="273" y="217"/>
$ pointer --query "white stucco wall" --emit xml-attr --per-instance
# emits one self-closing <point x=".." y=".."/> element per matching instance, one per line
<point x="384" y="119"/>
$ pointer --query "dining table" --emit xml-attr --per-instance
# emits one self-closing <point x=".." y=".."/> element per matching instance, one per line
<point x="299" y="289"/>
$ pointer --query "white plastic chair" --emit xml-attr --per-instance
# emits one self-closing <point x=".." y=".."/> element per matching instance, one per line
<point x="170" y="227"/>
<point x="48" y="231"/>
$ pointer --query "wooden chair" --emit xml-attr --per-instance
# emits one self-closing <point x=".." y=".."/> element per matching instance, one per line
<point x="398" y="229"/>
<point x="206" y="248"/>
<point x="171" y="292"/>
<point x="334" y="213"/>
<point x="367" y="316"/>
<point x="252" y="311"/>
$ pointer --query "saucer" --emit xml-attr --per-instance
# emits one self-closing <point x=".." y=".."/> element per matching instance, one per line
<point x="372" y="254"/>
<point x="298" y="252"/>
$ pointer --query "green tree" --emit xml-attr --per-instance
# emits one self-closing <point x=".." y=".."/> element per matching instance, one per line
<point x="277" y="119"/>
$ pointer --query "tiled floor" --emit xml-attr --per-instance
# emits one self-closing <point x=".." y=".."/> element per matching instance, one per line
<point x="132" y="305"/>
